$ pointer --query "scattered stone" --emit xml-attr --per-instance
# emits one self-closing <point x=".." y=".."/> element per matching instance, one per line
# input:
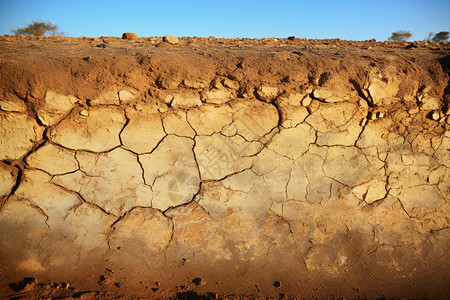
<point x="217" y="96"/>
<point x="129" y="36"/>
<point x="194" y="84"/>
<point x="429" y="103"/>
<point x="183" y="101"/>
<point x="435" y="115"/>
<point x="371" y="116"/>
<point x="322" y="94"/>
<point x="267" y="93"/>
<point x="230" y="84"/>
<point x="173" y="40"/>
<point x="125" y="96"/>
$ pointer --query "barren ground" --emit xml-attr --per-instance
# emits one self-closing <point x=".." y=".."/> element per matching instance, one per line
<point x="223" y="168"/>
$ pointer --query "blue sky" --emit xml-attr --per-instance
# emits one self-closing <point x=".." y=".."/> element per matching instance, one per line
<point x="345" y="19"/>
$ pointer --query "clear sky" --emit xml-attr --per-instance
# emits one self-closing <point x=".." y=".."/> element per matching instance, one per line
<point x="345" y="19"/>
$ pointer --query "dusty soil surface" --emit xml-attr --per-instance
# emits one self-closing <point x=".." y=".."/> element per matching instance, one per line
<point x="223" y="168"/>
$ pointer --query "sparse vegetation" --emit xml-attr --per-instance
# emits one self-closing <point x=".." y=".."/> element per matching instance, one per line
<point x="440" y="36"/>
<point x="400" y="36"/>
<point x="429" y="36"/>
<point x="38" y="28"/>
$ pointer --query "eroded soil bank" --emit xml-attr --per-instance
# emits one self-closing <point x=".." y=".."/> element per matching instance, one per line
<point x="223" y="168"/>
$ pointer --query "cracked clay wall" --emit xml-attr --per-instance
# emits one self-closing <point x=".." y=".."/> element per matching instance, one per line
<point x="253" y="172"/>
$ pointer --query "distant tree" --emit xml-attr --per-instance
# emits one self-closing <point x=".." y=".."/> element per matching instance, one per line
<point x="429" y="36"/>
<point x="38" y="28"/>
<point x="440" y="36"/>
<point x="400" y="36"/>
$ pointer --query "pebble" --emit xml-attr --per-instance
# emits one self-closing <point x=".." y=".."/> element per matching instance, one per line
<point x="170" y="39"/>
<point x="435" y="115"/>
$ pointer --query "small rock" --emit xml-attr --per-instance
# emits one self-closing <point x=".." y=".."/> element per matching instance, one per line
<point x="129" y="36"/>
<point x="102" y="45"/>
<point x="435" y="115"/>
<point x="322" y="94"/>
<point x="170" y="39"/>
<point x="429" y="103"/>
<point x="185" y="101"/>
<point x="217" y="96"/>
<point x="84" y="112"/>
<point x="230" y="84"/>
<point x="267" y="93"/>
<point x="380" y="114"/>
<point x="125" y="95"/>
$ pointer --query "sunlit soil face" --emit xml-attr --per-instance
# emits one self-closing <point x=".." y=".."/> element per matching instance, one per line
<point x="217" y="168"/>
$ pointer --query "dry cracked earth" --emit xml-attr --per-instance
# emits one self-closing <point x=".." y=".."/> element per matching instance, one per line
<point x="214" y="168"/>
